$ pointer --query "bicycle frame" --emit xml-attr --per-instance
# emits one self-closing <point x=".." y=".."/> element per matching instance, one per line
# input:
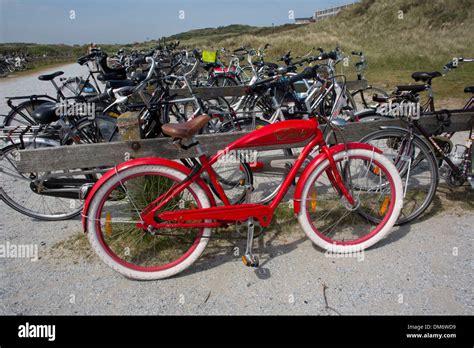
<point x="287" y="132"/>
<point x="87" y="80"/>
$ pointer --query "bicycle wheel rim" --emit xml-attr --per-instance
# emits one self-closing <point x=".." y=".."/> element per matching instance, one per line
<point x="409" y="181"/>
<point x="358" y="218"/>
<point x="113" y="254"/>
<point x="12" y="202"/>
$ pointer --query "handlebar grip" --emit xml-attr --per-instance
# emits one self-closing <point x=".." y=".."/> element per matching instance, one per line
<point x="98" y="98"/>
<point x="449" y="66"/>
<point x="261" y="86"/>
<point x="330" y="55"/>
<point x="323" y="56"/>
<point x="83" y="59"/>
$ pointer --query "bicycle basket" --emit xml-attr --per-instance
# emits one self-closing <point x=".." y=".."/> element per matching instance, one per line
<point x="209" y="56"/>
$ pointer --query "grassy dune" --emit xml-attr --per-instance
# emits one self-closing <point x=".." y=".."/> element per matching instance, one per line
<point x="424" y="36"/>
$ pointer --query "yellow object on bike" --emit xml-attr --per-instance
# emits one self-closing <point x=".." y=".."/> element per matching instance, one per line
<point x="209" y="56"/>
<point x="113" y="114"/>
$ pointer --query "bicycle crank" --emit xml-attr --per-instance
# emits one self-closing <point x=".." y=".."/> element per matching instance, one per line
<point x="249" y="259"/>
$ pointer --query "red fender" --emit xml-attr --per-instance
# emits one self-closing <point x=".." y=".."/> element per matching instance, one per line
<point x="138" y="162"/>
<point x="317" y="161"/>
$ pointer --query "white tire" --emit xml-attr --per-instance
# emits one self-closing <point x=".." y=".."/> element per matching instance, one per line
<point x="337" y="248"/>
<point x="128" y="272"/>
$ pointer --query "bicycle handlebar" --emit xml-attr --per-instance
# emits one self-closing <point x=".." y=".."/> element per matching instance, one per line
<point x="82" y="60"/>
<point x="453" y="64"/>
<point x="308" y="73"/>
<point x="101" y="97"/>
<point x="264" y="85"/>
<point x="328" y="55"/>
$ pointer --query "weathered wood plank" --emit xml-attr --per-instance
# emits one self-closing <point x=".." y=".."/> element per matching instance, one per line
<point x="237" y="91"/>
<point x="109" y="154"/>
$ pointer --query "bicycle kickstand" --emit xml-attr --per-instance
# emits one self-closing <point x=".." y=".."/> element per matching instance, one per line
<point x="249" y="259"/>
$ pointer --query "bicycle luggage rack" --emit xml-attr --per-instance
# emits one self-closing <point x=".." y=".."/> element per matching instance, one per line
<point x="17" y="134"/>
<point x="7" y="132"/>
<point x="32" y="97"/>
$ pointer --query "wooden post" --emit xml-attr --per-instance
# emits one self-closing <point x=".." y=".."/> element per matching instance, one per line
<point x="128" y="124"/>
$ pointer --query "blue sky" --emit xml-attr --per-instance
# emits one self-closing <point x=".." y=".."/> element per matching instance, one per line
<point x="126" y="21"/>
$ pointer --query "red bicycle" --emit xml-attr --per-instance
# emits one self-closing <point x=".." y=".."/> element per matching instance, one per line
<point x="151" y="218"/>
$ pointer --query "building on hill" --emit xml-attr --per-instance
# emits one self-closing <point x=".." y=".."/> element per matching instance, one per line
<point x="322" y="14"/>
<point x="329" y="12"/>
<point x="304" y="20"/>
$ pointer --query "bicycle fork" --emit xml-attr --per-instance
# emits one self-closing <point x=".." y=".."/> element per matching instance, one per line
<point x="335" y="178"/>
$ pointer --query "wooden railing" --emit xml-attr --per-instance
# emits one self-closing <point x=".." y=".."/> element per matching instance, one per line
<point x="110" y="154"/>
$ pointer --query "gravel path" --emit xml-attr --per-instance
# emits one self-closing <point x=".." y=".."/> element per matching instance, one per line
<point x="424" y="268"/>
<point x="14" y="85"/>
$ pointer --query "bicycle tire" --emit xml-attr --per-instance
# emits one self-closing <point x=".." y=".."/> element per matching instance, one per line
<point x="27" y="107"/>
<point x="407" y="216"/>
<point x="341" y="242"/>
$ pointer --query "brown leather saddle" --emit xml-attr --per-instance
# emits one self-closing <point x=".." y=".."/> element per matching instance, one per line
<point x="187" y="129"/>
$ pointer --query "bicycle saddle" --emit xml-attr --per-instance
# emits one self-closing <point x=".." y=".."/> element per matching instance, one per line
<point x="469" y="89"/>
<point x="49" y="77"/>
<point x="46" y="113"/>
<point x="425" y="76"/>
<point x="187" y="129"/>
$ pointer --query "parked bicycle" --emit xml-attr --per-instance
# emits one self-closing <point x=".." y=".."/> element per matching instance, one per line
<point x="165" y="212"/>
<point x="422" y="156"/>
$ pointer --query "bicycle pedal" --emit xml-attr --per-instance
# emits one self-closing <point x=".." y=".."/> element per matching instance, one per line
<point x="250" y="260"/>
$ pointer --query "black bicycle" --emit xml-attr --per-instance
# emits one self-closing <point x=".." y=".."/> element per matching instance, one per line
<point x="422" y="156"/>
